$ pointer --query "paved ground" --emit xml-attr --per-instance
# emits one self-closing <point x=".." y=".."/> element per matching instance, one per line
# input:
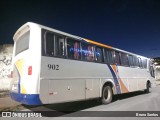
<point x="131" y="102"/>
<point x="6" y="103"/>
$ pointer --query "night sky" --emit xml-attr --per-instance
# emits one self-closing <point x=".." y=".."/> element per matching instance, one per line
<point x="131" y="25"/>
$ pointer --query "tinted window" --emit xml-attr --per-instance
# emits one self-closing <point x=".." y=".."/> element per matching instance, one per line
<point x="108" y="56"/>
<point x="140" y="62"/>
<point x="90" y="53"/>
<point x="130" y="58"/>
<point x="144" y="63"/>
<point x="49" y="43"/>
<point x="87" y="52"/>
<point x="84" y="50"/>
<point x="73" y="49"/>
<point x="117" y="58"/>
<point x="124" y="59"/>
<point x="60" y="46"/>
<point x="22" y="43"/>
<point x="135" y="61"/>
<point x="99" y="55"/>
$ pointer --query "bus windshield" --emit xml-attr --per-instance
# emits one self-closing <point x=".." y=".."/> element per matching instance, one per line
<point x="22" y="43"/>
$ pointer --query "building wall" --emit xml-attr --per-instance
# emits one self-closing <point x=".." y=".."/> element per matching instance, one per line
<point x="157" y="73"/>
<point x="5" y="65"/>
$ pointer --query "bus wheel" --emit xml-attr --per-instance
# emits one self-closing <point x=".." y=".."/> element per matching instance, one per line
<point x="147" y="87"/>
<point x="107" y="95"/>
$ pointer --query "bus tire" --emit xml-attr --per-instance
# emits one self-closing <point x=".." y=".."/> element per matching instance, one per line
<point x="147" y="87"/>
<point x="107" y="94"/>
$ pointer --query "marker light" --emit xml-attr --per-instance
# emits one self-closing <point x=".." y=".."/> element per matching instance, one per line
<point x="29" y="70"/>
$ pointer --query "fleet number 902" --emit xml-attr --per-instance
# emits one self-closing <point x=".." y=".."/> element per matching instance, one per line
<point x="53" y="67"/>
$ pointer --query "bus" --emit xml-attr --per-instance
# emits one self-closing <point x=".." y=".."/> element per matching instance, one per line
<point x="51" y="66"/>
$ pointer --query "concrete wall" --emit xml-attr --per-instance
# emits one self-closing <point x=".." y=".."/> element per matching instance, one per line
<point x="157" y="74"/>
<point x="5" y="66"/>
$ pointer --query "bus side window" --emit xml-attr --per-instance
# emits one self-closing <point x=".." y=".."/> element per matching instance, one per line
<point x="87" y="52"/>
<point x="140" y="62"/>
<point x="99" y="55"/>
<point x="77" y="52"/>
<point x="59" y="41"/>
<point x="108" y="56"/>
<point x="135" y="61"/>
<point x="84" y="49"/>
<point x="144" y="63"/>
<point x="124" y="59"/>
<point x="73" y="49"/>
<point x="49" y="43"/>
<point x="90" y="56"/>
<point x="130" y="58"/>
<point x="117" y="58"/>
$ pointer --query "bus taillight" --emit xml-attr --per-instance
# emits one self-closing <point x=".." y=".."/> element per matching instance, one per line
<point x="29" y="70"/>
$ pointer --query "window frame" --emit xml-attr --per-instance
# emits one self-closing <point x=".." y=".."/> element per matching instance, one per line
<point x="86" y="44"/>
<point x="122" y="59"/>
<point x="131" y="63"/>
<point x="115" y="60"/>
<point x="45" y="45"/>
<point x="66" y="48"/>
<point x="106" y="60"/>
<point x="144" y="63"/>
<point x="26" y="34"/>
<point x="108" y="55"/>
<point x="140" y="62"/>
<point x="102" y="54"/>
<point x="55" y="45"/>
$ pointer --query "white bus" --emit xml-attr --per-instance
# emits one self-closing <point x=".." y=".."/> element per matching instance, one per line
<point x="51" y="66"/>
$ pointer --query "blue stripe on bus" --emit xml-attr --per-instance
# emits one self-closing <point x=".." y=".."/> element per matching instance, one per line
<point x="29" y="99"/>
<point x="115" y="80"/>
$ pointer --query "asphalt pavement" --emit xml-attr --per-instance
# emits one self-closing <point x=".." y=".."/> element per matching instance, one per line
<point x="136" y="102"/>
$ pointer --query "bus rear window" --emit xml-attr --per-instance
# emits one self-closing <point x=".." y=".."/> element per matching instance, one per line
<point x="22" y="43"/>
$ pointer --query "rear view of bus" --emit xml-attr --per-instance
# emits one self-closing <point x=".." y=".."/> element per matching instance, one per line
<point x="24" y="87"/>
